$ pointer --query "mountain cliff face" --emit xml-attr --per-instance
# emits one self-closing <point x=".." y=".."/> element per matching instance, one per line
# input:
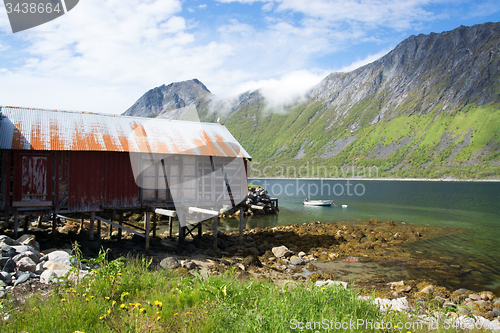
<point x="424" y="73"/>
<point x="429" y="108"/>
<point x="169" y="97"/>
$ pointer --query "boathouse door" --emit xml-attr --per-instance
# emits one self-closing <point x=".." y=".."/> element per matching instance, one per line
<point x="33" y="178"/>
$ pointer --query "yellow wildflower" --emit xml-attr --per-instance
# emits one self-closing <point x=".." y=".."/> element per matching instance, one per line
<point x="188" y="313"/>
<point x="107" y="297"/>
<point x="63" y="299"/>
<point x="158" y="303"/>
<point x="175" y="314"/>
<point x="141" y="310"/>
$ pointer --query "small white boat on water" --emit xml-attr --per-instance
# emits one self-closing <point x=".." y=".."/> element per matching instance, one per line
<point x="318" y="202"/>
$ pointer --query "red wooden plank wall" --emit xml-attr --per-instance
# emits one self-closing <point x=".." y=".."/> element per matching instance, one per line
<point x="100" y="176"/>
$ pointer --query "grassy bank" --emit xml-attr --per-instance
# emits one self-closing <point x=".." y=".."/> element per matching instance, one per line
<point x="132" y="296"/>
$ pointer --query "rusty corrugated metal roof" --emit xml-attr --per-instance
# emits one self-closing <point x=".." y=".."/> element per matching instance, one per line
<point x="37" y="129"/>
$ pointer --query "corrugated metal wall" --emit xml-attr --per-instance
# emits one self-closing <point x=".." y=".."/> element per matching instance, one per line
<point x="100" y="178"/>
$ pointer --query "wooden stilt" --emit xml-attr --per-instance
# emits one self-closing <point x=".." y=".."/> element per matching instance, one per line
<point x="154" y="224"/>
<point x="16" y="224"/>
<point x="39" y="224"/>
<point x="98" y="229"/>
<point x="110" y="230"/>
<point x="215" y="232"/>
<point x="26" y="224"/>
<point x="182" y="234"/>
<point x="200" y="227"/>
<point x="240" y="241"/>
<point x="54" y="225"/>
<point x="91" y="227"/>
<point x="147" y="220"/>
<point x="120" y="221"/>
<point x="170" y="226"/>
<point x="83" y="219"/>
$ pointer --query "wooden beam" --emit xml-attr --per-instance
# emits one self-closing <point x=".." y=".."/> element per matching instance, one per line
<point x="68" y="218"/>
<point x="166" y="212"/>
<point x="31" y="203"/>
<point x="203" y="211"/>
<point x="257" y="207"/>
<point x="120" y="226"/>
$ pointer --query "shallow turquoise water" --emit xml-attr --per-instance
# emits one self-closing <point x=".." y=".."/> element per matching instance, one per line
<point x="469" y="205"/>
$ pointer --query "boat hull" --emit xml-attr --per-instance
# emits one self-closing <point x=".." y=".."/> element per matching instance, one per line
<point x="318" y="203"/>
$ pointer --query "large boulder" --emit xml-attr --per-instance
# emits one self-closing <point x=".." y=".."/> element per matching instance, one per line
<point x="170" y="263"/>
<point x="6" y="278"/>
<point x="10" y="266"/>
<point x="26" y="264"/>
<point x="55" y="265"/>
<point x="28" y="239"/>
<point x="29" y="254"/>
<point x="6" y="240"/>
<point x="50" y="276"/>
<point x="62" y="257"/>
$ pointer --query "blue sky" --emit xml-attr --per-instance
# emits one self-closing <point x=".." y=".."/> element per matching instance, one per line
<point x="104" y="54"/>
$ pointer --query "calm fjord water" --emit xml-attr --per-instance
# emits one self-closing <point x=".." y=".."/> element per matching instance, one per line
<point x="474" y="206"/>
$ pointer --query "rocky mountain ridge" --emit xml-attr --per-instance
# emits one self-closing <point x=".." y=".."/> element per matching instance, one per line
<point x="429" y="108"/>
<point x="169" y="97"/>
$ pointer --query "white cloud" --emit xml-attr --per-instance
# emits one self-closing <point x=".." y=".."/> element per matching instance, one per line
<point x="278" y="93"/>
<point x="108" y="44"/>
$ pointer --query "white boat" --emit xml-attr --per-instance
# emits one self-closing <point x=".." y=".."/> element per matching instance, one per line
<point x="318" y="202"/>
